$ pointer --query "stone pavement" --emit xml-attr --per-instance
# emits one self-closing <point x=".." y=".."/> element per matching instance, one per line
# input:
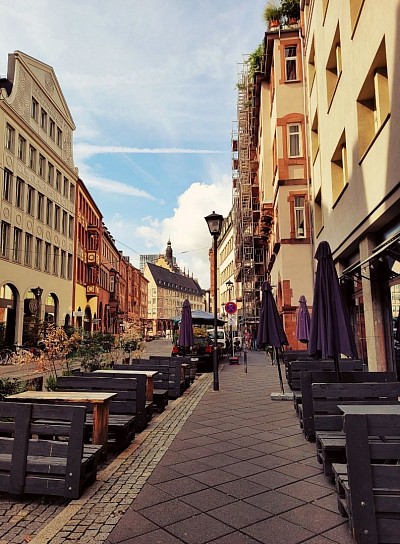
<point x="221" y="467"/>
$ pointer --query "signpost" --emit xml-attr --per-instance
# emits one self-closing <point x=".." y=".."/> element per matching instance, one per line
<point x="231" y="308"/>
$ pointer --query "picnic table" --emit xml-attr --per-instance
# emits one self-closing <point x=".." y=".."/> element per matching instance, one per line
<point x="99" y="400"/>
<point x="150" y="374"/>
<point x="379" y="409"/>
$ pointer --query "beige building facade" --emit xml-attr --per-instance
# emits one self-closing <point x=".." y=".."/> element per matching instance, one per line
<point x="353" y="82"/>
<point x="37" y="206"/>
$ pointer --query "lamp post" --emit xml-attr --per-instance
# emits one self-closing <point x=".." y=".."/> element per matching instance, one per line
<point x="229" y="286"/>
<point x="214" y="223"/>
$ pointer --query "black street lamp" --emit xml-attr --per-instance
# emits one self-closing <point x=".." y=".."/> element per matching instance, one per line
<point x="229" y="286"/>
<point x="214" y="223"/>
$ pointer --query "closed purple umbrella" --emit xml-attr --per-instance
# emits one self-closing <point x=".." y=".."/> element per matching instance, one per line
<point x="270" y="329"/>
<point x="303" y="321"/>
<point x="330" y="332"/>
<point x="186" y="338"/>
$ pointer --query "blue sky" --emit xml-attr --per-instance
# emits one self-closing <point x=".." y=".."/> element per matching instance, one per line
<point x="151" y="88"/>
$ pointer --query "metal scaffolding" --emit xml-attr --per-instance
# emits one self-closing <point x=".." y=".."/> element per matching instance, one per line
<point x="249" y="251"/>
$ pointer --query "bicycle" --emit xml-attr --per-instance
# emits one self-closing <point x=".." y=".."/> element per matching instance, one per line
<point x="5" y="356"/>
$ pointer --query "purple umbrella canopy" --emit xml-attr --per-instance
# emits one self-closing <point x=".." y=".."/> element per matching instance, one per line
<point x="330" y="332"/>
<point x="303" y="321"/>
<point x="270" y="329"/>
<point x="186" y="327"/>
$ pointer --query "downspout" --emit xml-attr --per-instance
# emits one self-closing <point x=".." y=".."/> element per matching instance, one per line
<point x="306" y="123"/>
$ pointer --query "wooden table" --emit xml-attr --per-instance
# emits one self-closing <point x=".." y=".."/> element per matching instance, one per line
<point x="379" y="409"/>
<point x="100" y="402"/>
<point x="148" y="373"/>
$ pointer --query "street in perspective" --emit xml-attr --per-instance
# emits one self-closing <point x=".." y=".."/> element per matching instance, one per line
<point x="200" y="272"/>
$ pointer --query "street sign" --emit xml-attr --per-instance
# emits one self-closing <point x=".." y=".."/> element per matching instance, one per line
<point x="230" y="308"/>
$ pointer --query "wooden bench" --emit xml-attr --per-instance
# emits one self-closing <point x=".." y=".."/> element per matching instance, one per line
<point x="174" y="369"/>
<point x="369" y="485"/>
<point x="192" y="361"/>
<point x="324" y="365"/>
<point x="161" y="381"/>
<point x="306" y="408"/>
<point x="328" y="418"/>
<point x="42" y="450"/>
<point x="127" y="410"/>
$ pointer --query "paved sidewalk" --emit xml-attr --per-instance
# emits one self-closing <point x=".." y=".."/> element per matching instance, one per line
<point x="221" y="467"/>
<point x="239" y="471"/>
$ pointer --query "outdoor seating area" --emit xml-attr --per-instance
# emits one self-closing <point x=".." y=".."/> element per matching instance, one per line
<point x="52" y="442"/>
<point x="358" y="452"/>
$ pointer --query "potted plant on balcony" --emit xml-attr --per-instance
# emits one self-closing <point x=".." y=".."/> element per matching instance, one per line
<point x="272" y="14"/>
<point x="290" y="11"/>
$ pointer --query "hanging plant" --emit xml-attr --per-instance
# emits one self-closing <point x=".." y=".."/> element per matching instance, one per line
<point x="255" y="59"/>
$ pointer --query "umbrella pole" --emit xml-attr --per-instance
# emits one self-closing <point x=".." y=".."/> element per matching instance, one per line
<point x="279" y="369"/>
<point x="337" y="370"/>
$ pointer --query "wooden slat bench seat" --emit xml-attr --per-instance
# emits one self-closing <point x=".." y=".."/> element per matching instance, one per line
<point x="161" y="381"/>
<point x="369" y="485"/>
<point x="306" y="409"/>
<point x="310" y="365"/>
<point x="127" y="409"/>
<point x="174" y="369"/>
<point x="191" y="361"/>
<point x="184" y="370"/>
<point x="328" y="417"/>
<point x="29" y="463"/>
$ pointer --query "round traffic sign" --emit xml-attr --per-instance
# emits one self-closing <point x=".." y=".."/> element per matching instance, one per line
<point x="230" y="307"/>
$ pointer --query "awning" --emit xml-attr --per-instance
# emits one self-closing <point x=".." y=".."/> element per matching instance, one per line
<point x="388" y="249"/>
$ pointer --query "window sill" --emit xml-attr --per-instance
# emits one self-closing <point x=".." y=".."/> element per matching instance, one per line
<point x="292" y="80"/>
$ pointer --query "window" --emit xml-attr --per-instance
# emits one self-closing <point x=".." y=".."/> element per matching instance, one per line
<point x="43" y="119"/>
<point x="311" y="66"/>
<point x="32" y="157"/>
<point x="333" y="67"/>
<point x="59" y="137"/>
<point x="71" y="227"/>
<point x="7" y="186"/>
<point x="50" y="174"/>
<point x="294" y="144"/>
<point x="55" y="260"/>
<point x="62" y="264"/>
<point x="35" y="109"/>
<point x="10" y="136"/>
<point x="64" y="222"/>
<point x="318" y="216"/>
<point x="38" y="254"/>
<point x="52" y="129"/>
<point x="72" y="193"/>
<point x="58" y="180"/>
<point x="42" y="166"/>
<point x="16" y="250"/>
<point x="69" y="267"/>
<point x="65" y="187"/>
<point x="112" y="284"/>
<point x="40" y="206"/>
<point x="339" y="170"/>
<point x="314" y="137"/>
<point x="47" y="253"/>
<point x="290" y="63"/>
<point x="30" y="204"/>
<point x="355" y="11"/>
<point x="4" y="239"/>
<point x="19" y="193"/>
<point x="49" y="212"/>
<point x="28" y="250"/>
<point x="373" y="102"/>
<point x="299" y="216"/>
<point x="57" y="212"/>
<point x="21" y="152"/>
